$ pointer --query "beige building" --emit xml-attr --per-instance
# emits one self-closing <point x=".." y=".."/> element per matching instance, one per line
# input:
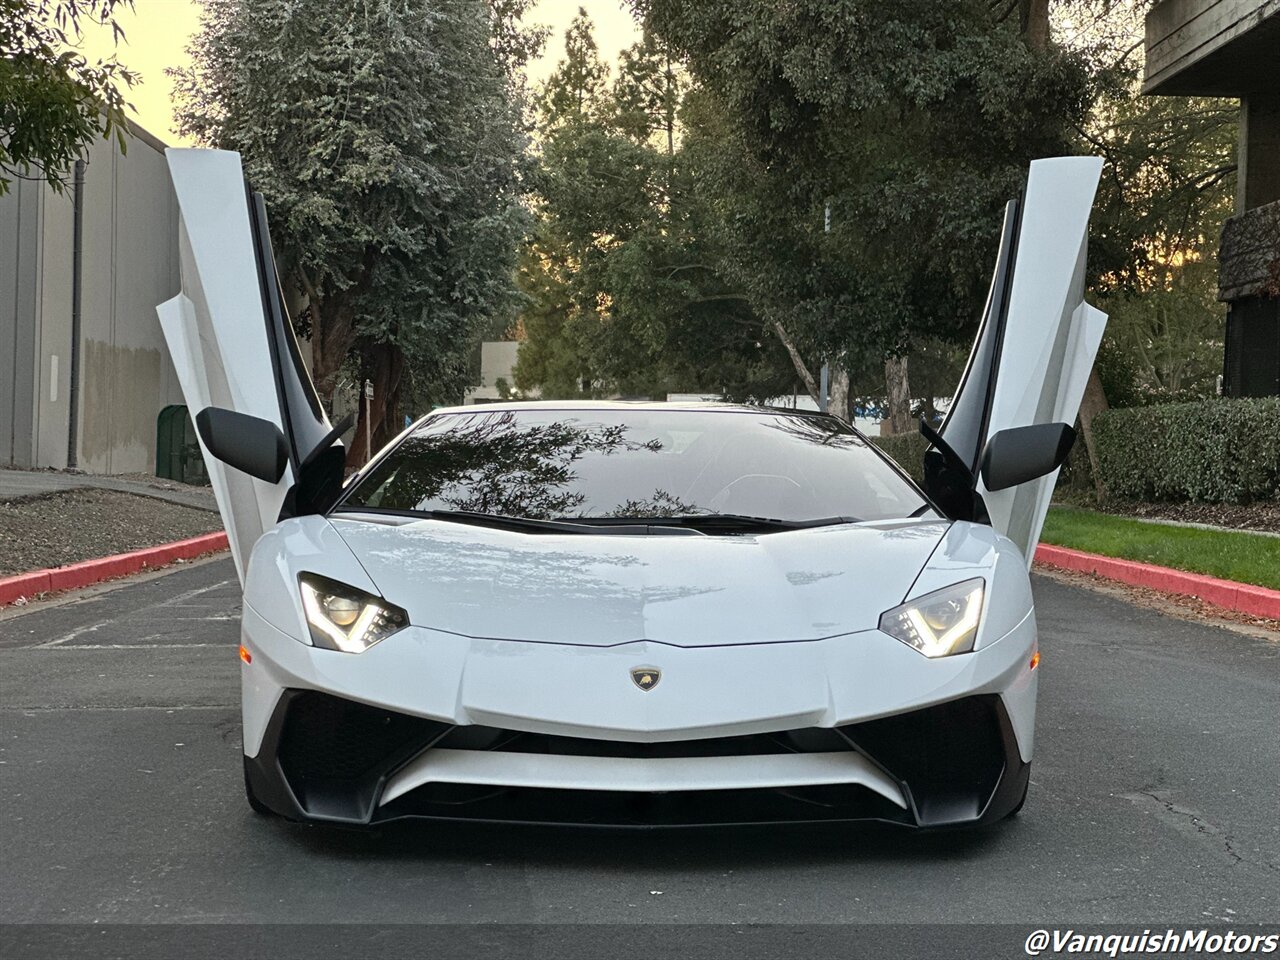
<point x="497" y="366"/>
<point x="84" y="372"/>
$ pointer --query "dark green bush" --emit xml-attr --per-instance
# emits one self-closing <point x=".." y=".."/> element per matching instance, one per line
<point x="1216" y="451"/>
<point x="907" y="449"/>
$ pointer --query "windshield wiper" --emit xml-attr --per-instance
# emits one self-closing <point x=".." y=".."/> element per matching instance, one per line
<point x="479" y="519"/>
<point x="692" y="524"/>
<point x="503" y="522"/>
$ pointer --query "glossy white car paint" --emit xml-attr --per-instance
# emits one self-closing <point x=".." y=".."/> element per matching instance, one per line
<point x="604" y="590"/>
<point x="781" y="680"/>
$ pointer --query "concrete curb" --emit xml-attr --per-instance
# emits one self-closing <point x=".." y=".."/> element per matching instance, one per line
<point x="89" y="572"/>
<point x="1226" y="594"/>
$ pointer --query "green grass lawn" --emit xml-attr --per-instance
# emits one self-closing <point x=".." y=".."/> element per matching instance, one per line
<point x="1245" y="557"/>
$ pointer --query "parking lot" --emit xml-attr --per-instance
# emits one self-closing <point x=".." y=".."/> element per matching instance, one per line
<point x="1153" y="798"/>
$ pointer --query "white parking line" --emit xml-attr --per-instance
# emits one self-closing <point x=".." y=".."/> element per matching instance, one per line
<point x="94" y="592"/>
<point x="176" y="598"/>
<point x="135" y="646"/>
<point x="77" y="632"/>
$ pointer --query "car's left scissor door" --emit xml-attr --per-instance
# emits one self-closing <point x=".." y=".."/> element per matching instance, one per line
<point x="230" y="338"/>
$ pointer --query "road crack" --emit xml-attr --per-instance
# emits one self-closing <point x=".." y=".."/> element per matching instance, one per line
<point x="1192" y="823"/>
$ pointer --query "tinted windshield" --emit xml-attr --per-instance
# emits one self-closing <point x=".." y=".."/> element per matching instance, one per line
<point x="575" y="464"/>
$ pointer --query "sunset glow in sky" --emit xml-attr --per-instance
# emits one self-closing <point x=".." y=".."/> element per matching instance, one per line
<point x="157" y="33"/>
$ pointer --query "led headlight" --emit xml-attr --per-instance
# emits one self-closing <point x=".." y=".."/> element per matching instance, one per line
<point x="344" y="618"/>
<point x="939" y="623"/>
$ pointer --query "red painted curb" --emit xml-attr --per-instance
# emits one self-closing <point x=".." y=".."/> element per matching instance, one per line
<point x="78" y="575"/>
<point x="1227" y="594"/>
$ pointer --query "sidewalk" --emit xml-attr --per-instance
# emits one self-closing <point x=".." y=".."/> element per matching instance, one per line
<point x="29" y="483"/>
<point x="1190" y="525"/>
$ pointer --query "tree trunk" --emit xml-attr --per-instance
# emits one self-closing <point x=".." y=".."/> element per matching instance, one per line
<point x="895" y="378"/>
<point x="332" y="334"/>
<point x="1035" y="23"/>
<point x="797" y="361"/>
<point x="392" y="421"/>
<point x="377" y="417"/>
<point x="1095" y="401"/>
<point x="838" y="403"/>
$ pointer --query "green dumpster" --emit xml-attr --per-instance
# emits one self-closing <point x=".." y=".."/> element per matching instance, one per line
<point x="177" y="449"/>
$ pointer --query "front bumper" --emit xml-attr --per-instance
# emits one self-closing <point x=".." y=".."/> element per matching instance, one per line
<point x="440" y="726"/>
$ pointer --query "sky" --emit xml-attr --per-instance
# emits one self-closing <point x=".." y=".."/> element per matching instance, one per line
<point x="157" y="33"/>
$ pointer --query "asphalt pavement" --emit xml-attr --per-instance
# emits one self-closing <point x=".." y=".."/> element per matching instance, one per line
<point x="1155" y="798"/>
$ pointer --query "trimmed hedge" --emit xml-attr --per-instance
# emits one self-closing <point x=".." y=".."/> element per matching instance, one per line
<point x="1216" y="451"/>
<point x="907" y="449"/>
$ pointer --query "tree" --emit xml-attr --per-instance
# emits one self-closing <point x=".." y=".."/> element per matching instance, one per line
<point x="1169" y="185"/>
<point x="648" y="93"/>
<point x="577" y="87"/>
<point x="908" y="125"/>
<point x="548" y="359"/>
<point x="574" y="190"/>
<point x="623" y="297"/>
<point x="386" y="141"/>
<point x="54" y="104"/>
<point x="1165" y="191"/>
<point x="1169" y="326"/>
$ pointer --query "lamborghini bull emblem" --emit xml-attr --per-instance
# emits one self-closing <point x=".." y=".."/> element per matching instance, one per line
<point x="646" y="678"/>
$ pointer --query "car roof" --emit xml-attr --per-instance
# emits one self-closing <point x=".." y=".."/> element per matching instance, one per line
<point x="704" y="406"/>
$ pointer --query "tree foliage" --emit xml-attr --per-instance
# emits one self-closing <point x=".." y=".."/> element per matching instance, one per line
<point x="862" y="152"/>
<point x="830" y="176"/>
<point x="54" y="103"/>
<point x="385" y="136"/>
<point x="624" y="292"/>
<point x="774" y="185"/>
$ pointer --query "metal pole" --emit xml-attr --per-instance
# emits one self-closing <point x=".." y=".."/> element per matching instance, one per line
<point x="824" y="378"/>
<point x="368" y="426"/>
<point x="77" y="286"/>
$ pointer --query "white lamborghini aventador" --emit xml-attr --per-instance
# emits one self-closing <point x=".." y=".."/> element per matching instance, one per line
<point x="633" y="614"/>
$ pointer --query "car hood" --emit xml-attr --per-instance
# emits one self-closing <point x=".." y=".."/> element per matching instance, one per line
<point x="601" y="590"/>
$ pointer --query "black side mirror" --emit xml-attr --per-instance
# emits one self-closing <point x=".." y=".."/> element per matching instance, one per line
<point x="1020" y="454"/>
<point x="247" y="443"/>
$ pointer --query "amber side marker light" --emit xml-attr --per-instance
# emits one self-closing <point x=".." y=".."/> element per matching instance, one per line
<point x="247" y="657"/>
<point x="1035" y="659"/>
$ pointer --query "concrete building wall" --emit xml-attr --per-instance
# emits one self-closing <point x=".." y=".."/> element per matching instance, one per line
<point x="19" y="272"/>
<point x="1259" y="157"/>
<point x="52" y="324"/>
<point x="129" y="264"/>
